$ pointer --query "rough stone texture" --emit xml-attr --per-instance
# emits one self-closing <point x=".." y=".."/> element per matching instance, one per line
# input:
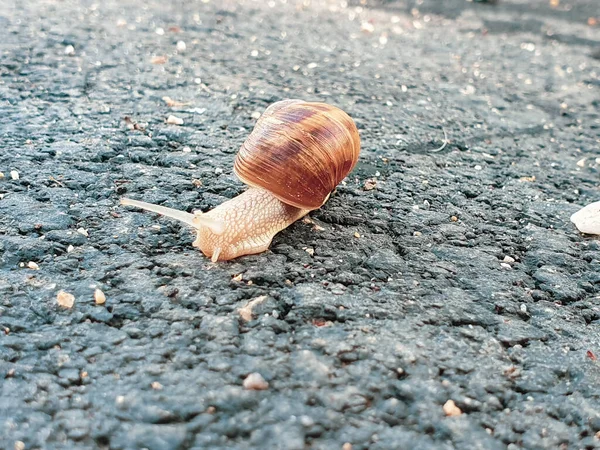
<point x="362" y="342"/>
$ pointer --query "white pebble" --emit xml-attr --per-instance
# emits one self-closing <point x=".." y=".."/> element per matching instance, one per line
<point x="33" y="266"/>
<point x="506" y="265"/>
<point x="218" y="170"/>
<point x="160" y="31"/>
<point x="255" y="382"/>
<point x="523" y="308"/>
<point x="83" y="231"/>
<point x="14" y="174"/>
<point x="509" y="259"/>
<point x="174" y="120"/>
<point x="69" y="50"/>
<point x="181" y="46"/>
<point x="99" y="297"/>
<point x="587" y="220"/>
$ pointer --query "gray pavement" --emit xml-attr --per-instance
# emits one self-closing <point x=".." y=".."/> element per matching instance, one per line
<point x="452" y="306"/>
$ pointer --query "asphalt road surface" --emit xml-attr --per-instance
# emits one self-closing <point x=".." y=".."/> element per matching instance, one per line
<point x="441" y="299"/>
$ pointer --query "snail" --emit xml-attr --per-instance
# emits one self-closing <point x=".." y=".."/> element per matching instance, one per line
<point x="295" y="156"/>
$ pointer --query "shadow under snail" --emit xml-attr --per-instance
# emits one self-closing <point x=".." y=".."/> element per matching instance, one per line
<point x="294" y="158"/>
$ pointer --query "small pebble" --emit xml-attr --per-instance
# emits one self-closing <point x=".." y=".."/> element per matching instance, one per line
<point x="65" y="299"/>
<point x="83" y="231"/>
<point x="70" y="248"/>
<point x="356" y="234"/>
<point x="33" y="266"/>
<point x="256" y="115"/>
<point x="347" y="446"/>
<point x="523" y="308"/>
<point x="370" y="184"/>
<point x="1" y="175"/>
<point x="246" y="311"/>
<point x="450" y="409"/>
<point x="19" y="445"/>
<point x="509" y="259"/>
<point x="581" y="162"/>
<point x="255" y="382"/>
<point x="99" y="297"/>
<point x="156" y="386"/>
<point x="506" y="265"/>
<point x="367" y="27"/>
<point x="181" y="46"/>
<point x="587" y="220"/>
<point x="159" y="59"/>
<point x="69" y="50"/>
<point x="174" y="120"/>
<point x="14" y="174"/>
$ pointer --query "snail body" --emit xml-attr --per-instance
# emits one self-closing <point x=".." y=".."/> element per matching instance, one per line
<point x="294" y="158"/>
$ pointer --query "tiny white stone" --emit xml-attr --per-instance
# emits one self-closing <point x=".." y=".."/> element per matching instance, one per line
<point x="218" y="170"/>
<point x="160" y="31"/>
<point x="587" y="220"/>
<point x="14" y="174"/>
<point x="69" y="50"/>
<point x="255" y="382"/>
<point x="181" y="47"/>
<point x="506" y="265"/>
<point x="523" y="308"/>
<point x="83" y="231"/>
<point x="174" y="120"/>
<point x="186" y="150"/>
<point x="509" y="259"/>
<point x="70" y="248"/>
<point x="33" y="266"/>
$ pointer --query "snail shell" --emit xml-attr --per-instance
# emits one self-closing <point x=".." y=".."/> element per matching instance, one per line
<point x="299" y="151"/>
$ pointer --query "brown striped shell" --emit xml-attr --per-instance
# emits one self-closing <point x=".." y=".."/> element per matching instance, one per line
<point x="299" y="151"/>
